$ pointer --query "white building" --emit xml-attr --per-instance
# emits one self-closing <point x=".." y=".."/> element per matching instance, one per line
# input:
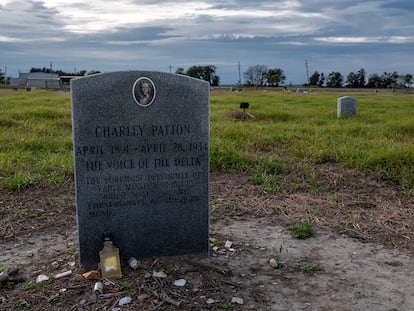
<point x="37" y="79"/>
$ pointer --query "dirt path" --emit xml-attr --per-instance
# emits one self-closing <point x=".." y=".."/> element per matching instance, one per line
<point x="349" y="275"/>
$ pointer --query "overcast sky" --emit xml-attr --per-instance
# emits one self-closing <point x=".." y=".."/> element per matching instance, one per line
<point x="102" y="35"/>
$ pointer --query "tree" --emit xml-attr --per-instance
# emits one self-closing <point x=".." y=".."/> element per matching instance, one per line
<point x="351" y="80"/>
<point x="314" y="78"/>
<point x="335" y="79"/>
<point x="2" y="77"/>
<point x="256" y="75"/>
<point x="374" y="81"/>
<point x="389" y="79"/>
<point x="275" y="76"/>
<point x="321" y="81"/>
<point x="361" y="77"/>
<point x="206" y="73"/>
<point x="408" y="80"/>
<point x="356" y="80"/>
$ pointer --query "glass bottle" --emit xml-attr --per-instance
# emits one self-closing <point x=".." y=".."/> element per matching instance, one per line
<point x="109" y="258"/>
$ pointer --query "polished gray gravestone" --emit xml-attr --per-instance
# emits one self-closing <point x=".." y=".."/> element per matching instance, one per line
<point x="346" y="106"/>
<point x="141" y="147"/>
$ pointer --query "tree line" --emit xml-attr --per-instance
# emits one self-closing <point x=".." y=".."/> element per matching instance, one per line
<point x="262" y="75"/>
<point x="360" y="79"/>
<point x="59" y="72"/>
<point x="206" y="73"/>
<point x="258" y="75"/>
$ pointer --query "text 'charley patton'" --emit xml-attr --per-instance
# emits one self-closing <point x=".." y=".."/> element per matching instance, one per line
<point x="142" y="130"/>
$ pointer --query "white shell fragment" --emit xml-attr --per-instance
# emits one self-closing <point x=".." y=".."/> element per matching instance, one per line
<point x="124" y="301"/>
<point x="180" y="282"/>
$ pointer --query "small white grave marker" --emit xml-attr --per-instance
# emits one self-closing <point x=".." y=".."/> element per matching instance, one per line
<point x="346" y="106"/>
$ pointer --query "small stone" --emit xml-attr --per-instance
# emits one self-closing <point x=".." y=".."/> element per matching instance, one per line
<point x="29" y="254"/>
<point x="215" y="248"/>
<point x="228" y="244"/>
<point x="159" y="274"/>
<point x="273" y="263"/>
<point x="210" y="301"/>
<point x="41" y="278"/>
<point x="124" y="301"/>
<point x="180" y="282"/>
<point x="237" y="300"/>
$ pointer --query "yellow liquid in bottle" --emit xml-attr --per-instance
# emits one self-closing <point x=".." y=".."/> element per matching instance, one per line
<point x="110" y="263"/>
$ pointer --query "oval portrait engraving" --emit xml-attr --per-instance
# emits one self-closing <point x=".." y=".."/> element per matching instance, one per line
<point x="143" y="91"/>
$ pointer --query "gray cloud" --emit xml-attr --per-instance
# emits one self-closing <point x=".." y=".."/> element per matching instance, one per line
<point x="332" y="36"/>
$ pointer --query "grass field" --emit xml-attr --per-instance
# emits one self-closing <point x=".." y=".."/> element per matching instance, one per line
<point x="288" y="132"/>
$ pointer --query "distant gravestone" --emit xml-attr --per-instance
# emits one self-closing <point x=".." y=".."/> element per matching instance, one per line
<point x="346" y="106"/>
<point x="141" y="146"/>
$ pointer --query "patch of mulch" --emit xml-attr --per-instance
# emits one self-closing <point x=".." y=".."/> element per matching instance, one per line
<point x="344" y="201"/>
<point x="25" y="212"/>
<point x="240" y="115"/>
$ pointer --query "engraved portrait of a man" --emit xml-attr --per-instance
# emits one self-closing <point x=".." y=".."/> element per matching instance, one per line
<point x="144" y="91"/>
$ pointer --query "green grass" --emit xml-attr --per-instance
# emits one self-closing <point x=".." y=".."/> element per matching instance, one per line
<point x="35" y="139"/>
<point x="289" y="133"/>
<point x="303" y="230"/>
<point x="303" y="128"/>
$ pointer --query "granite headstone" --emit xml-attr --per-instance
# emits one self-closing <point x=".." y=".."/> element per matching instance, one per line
<point x="346" y="106"/>
<point x="141" y="147"/>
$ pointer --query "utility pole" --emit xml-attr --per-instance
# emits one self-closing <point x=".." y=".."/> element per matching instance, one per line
<point x="307" y="71"/>
<point x="239" y="72"/>
<point x="170" y="68"/>
<point x="51" y="68"/>
<point x="5" y="75"/>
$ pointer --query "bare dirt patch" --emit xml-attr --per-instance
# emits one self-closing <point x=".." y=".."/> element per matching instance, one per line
<point x="359" y="258"/>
